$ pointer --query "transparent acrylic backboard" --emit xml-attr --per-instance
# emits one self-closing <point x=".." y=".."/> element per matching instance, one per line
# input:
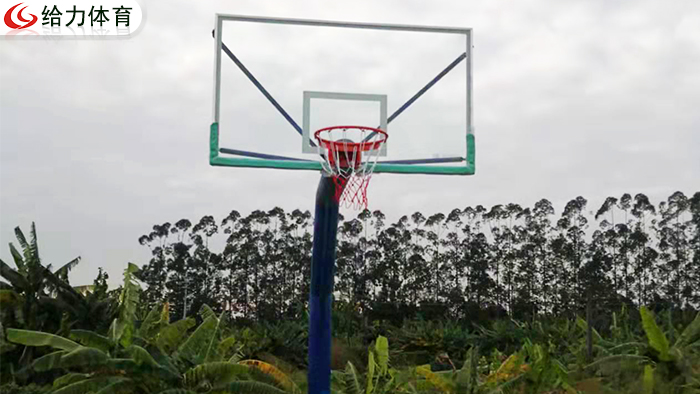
<point x="277" y="81"/>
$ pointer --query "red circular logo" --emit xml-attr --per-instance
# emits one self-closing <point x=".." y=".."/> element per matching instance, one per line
<point x="12" y="25"/>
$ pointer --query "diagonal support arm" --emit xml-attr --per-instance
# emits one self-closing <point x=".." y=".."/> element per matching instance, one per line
<point x="260" y="87"/>
<point x="425" y="88"/>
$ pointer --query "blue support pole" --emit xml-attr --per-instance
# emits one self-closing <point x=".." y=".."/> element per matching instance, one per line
<point x="322" y="270"/>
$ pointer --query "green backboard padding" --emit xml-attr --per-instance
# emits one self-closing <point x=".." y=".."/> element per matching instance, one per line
<point x="214" y="159"/>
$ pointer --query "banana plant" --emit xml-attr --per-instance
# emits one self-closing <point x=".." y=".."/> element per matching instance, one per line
<point x="98" y="364"/>
<point x="206" y="346"/>
<point x="118" y="363"/>
<point x="4" y="346"/>
<point x="658" y="361"/>
<point x="33" y="287"/>
<point x="606" y="351"/>
<point x="95" y="364"/>
<point x="380" y="378"/>
<point x="462" y="381"/>
<point x="543" y="371"/>
<point x="673" y="362"/>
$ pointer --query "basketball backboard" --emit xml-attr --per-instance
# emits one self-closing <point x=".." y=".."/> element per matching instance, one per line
<point x="278" y="80"/>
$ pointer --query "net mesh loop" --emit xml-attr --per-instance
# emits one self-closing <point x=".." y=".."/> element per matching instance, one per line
<point x="349" y="156"/>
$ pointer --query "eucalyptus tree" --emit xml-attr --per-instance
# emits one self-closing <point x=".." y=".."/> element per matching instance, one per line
<point x="542" y="226"/>
<point x="694" y="208"/>
<point x="203" y="279"/>
<point x="433" y="250"/>
<point x="350" y="269"/>
<point x="299" y="257"/>
<point x="624" y="232"/>
<point x="626" y="240"/>
<point x="374" y="225"/>
<point x="266" y="275"/>
<point x="512" y="255"/>
<point x="403" y="270"/>
<point x="570" y="246"/>
<point x="645" y="255"/>
<point x="500" y="219"/>
<point x="596" y="284"/>
<point x="609" y="235"/>
<point x="155" y="273"/>
<point x="526" y="274"/>
<point x="261" y="239"/>
<point x="419" y="274"/>
<point x="534" y="278"/>
<point x="285" y="244"/>
<point x="674" y="244"/>
<point x="235" y="287"/>
<point x="177" y="262"/>
<point x="180" y="282"/>
<point x="456" y="262"/>
<point x="513" y="245"/>
<point x="392" y="242"/>
<point x="477" y="256"/>
<point x="244" y="242"/>
<point x="493" y="219"/>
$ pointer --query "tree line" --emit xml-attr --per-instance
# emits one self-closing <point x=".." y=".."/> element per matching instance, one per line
<point x="470" y="263"/>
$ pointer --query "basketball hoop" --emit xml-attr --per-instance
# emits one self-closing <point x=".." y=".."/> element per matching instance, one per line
<point x="349" y="155"/>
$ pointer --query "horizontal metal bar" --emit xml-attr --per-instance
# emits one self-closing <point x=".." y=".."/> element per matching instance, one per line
<point x="316" y="166"/>
<point x="345" y="96"/>
<point x="351" y="25"/>
<point x="258" y="155"/>
<point x="426" y="161"/>
<point x="276" y="157"/>
<point x="262" y="163"/>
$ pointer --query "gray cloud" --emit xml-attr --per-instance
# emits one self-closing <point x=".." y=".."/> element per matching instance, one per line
<point x="99" y="140"/>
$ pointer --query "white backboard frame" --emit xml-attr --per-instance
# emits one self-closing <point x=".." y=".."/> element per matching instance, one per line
<point x="262" y="160"/>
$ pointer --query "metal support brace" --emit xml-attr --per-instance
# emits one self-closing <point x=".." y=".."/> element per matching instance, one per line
<point x="425" y="88"/>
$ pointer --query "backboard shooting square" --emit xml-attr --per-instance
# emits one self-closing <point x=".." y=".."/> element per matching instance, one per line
<point x="310" y="97"/>
<point x="271" y="73"/>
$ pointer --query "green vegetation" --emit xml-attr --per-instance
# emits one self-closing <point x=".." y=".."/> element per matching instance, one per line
<point x="506" y="300"/>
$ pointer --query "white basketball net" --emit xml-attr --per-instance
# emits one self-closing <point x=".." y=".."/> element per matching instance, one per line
<point x="349" y="155"/>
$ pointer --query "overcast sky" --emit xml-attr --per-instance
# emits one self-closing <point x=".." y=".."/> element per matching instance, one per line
<point x="99" y="140"/>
